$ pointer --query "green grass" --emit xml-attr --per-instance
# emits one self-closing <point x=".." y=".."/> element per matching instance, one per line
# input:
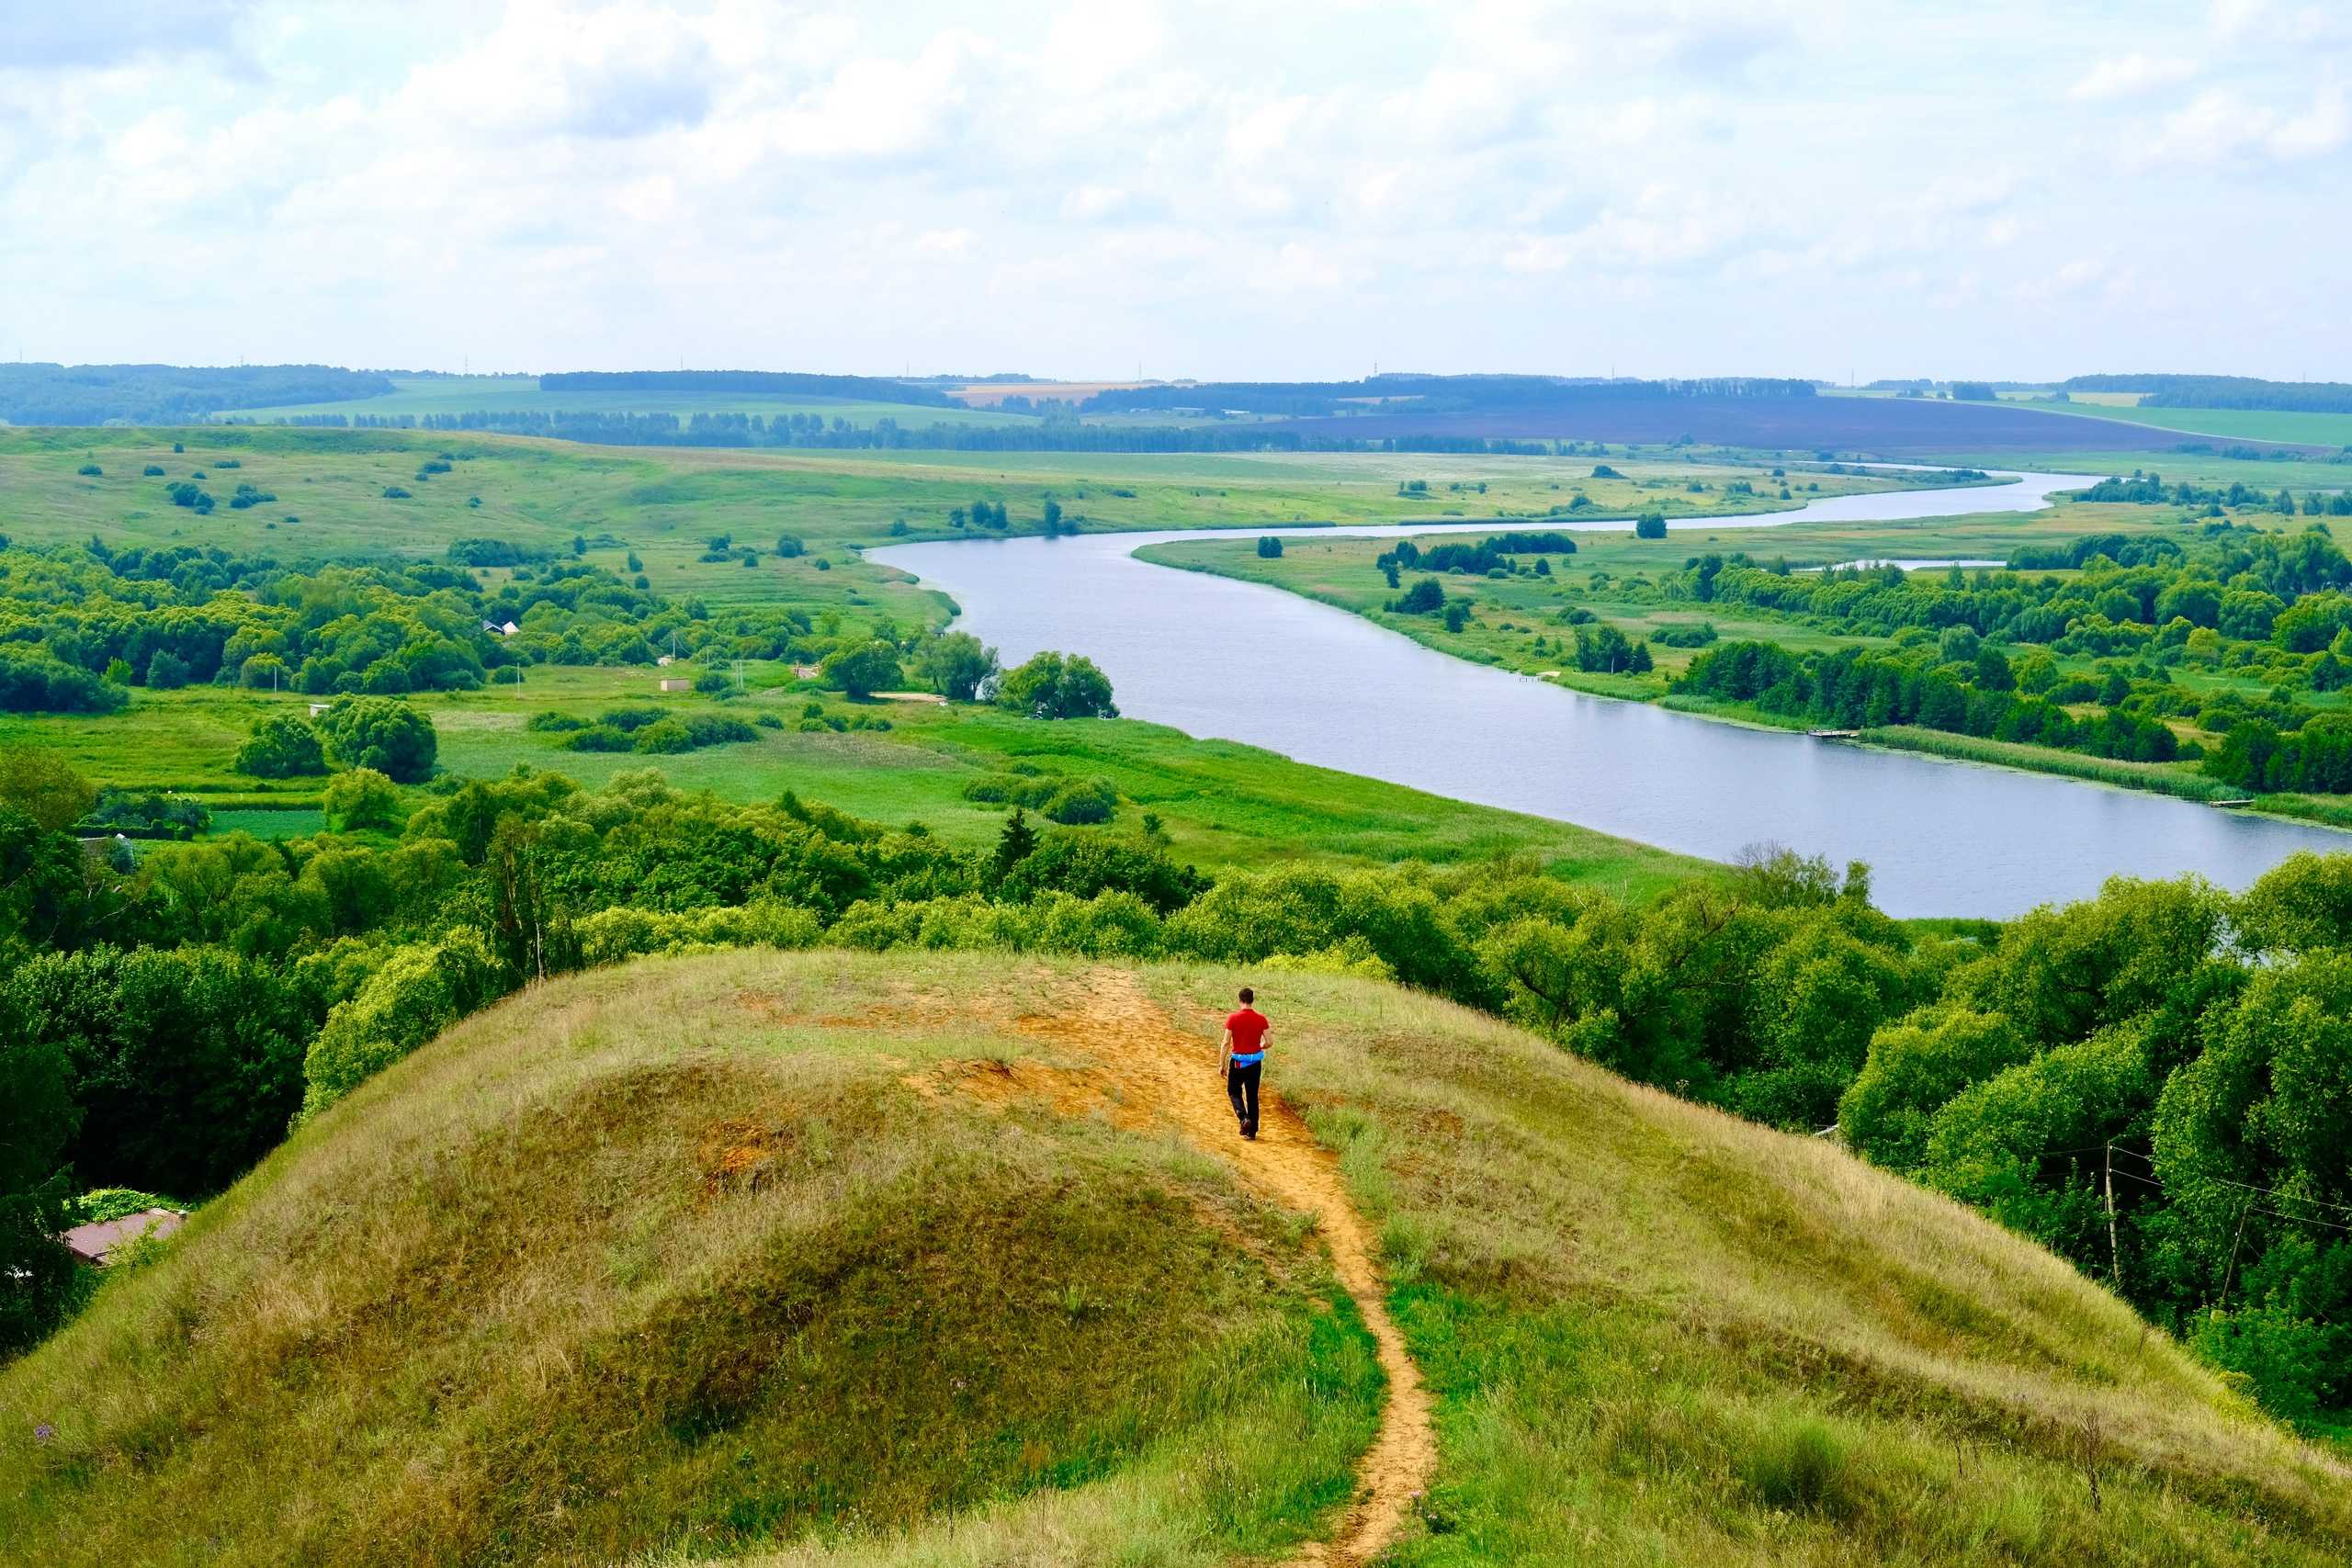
<point x="1222" y="804"/>
<point x="627" y="1266"/>
<point x="2179" y="779"/>
<point x="2285" y="426"/>
<point x="803" y="1259"/>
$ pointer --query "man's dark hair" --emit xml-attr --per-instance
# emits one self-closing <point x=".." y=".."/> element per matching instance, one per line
<point x="1247" y="996"/>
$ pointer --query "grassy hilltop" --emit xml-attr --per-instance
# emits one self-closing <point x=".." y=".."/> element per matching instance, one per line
<point x="883" y="1259"/>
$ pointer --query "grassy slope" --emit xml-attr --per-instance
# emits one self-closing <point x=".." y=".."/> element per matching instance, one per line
<point x="767" y="1242"/>
<point x="671" y="1258"/>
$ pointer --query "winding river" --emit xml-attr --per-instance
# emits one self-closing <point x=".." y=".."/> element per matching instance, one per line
<point x="1215" y="656"/>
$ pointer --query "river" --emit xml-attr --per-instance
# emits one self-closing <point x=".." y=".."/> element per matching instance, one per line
<point x="1218" y="658"/>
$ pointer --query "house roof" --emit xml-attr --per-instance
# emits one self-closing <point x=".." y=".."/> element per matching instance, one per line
<point x="97" y="1242"/>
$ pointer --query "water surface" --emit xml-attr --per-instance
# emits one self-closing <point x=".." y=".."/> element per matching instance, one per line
<point x="1242" y="661"/>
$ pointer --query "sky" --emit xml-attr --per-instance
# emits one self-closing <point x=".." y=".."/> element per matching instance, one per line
<point x="1835" y="188"/>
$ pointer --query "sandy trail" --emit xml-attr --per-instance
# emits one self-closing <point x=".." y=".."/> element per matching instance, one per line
<point x="1155" y="1074"/>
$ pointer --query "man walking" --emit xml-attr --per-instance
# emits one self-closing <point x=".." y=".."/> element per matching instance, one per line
<point x="1245" y="1059"/>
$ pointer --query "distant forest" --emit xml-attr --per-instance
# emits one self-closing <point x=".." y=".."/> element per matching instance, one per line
<point x="793" y="383"/>
<point x="1430" y="394"/>
<point x="613" y="428"/>
<point x="2164" y="392"/>
<point x="40" y="393"/>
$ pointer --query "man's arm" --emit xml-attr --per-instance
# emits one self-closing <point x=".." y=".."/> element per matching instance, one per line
<point x="1224" y="1055"/>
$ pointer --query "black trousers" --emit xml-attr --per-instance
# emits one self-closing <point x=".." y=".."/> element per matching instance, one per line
<point x="1241" y="1087"/>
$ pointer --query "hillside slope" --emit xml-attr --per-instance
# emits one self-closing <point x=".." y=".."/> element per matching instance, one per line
<point x="834" y="1259"/>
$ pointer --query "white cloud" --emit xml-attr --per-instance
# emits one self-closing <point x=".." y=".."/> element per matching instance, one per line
<point x="2129" y="76"/>
<point x="1228" y="187"/>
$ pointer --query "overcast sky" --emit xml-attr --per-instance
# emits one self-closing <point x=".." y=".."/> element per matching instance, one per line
<point x="2018" y="188"/>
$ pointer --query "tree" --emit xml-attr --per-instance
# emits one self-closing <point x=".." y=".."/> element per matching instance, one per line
<point x="1650" y="526"/>
<point x="363" y="799"/>
<point x="1015" y="844"/>
<point x="382" y="733"/>
<point x="37" y="1117"/>
<point x="166" y="671"/>
<point x="281" y="747"/>
<point x="1053" y="515"/>
<point x="862" y="669"/>
<point x="42" y="786"/>
<point x="1426" y="597"/>
<point x="1270" y="548"/>
<point x="958" y="666"/>
<point x="1057" y="686"/>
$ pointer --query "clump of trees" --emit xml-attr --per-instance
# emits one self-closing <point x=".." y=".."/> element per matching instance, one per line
<point x="1057" y="686"/>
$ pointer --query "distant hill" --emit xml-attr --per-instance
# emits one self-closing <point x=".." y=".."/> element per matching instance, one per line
<point x="831" y="1258"/>
<point x="168" y="394"/>
<point x="788" y="383"/>
<point x="2170" y="392"/>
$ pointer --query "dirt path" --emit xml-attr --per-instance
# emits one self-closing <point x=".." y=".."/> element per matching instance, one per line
<point x="1153" y="1073"/>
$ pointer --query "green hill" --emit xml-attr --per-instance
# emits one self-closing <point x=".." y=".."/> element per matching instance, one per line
<point x="834" y="1258"/>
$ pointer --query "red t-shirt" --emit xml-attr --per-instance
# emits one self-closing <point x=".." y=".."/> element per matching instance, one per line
<point x="1249" y="1028"/>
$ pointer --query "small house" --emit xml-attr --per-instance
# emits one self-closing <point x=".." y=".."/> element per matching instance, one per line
<point x="98" y="1242"/>
<point x="664" y="661"/>
<point x="317" y="708"/>
<point x="677" y="683"/>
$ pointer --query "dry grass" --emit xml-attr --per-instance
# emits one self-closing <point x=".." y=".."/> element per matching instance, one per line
<point x="791" y="1286"/>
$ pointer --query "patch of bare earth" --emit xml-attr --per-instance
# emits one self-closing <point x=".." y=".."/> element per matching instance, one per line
<point x="1134" y="1065"/>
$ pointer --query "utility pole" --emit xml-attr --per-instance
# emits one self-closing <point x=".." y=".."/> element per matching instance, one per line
<point x="2114" y="1255"/>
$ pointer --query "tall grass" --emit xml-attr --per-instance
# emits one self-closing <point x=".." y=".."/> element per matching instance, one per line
<point x="2159" y="778"/>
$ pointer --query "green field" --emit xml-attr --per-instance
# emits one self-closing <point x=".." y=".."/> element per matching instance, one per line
<point x="424" y="395"/>
<point x="954" y="1259"/>
<point x="2226" y="424"/>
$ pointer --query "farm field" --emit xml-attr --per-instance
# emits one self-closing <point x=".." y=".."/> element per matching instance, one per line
<point x="2226" y="425"/>
<point x="447" y="395"/>
<point x="1881" y="426"/>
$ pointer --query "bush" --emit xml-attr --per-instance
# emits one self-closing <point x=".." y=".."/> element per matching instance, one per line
<point x="665" y="739"/>
<point x="281" y="747"/>
<point x="363" y="798"/>
<point x="1270" y="548"/>
<point x="554" y="723"/>
<point x="610" y="936"/>
<point x="90" y="470"/>
<point x="1650" y="526"/>
<point x="600" y="737"/>
<point x="394" y="492"/>
<point x="381" y="733"/>
<point x="1082" y="802"/>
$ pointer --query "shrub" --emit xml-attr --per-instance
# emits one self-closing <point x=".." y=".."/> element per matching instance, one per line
<point x="153" y="471"/>
<point x="281" y="747"/>
<point x="600" y="737"/>
<point x="1426" y="597"/>
<point x="554" y="723"/>
<point x="667" y="738"/>
<point x="363" y="798"/>
<point x="1650" y="526"/>
<point x="1270" y="548"/>
<point x="1082" y="802"/>
<point x="609" y="936"/>
<point x="394" y="492"/>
